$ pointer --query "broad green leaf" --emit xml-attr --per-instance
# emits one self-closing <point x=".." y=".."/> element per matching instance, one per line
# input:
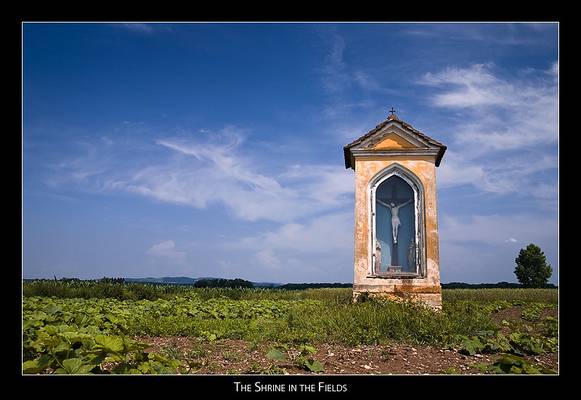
<point x="76" y="366"/>
<point x="37" y="365"/>
<point x="472" y="346"/>
<point x="61" y="346"/>
<point x="308" y="349"/>
<point x="515" y="370"/>
<point x="275" y="354"/>
<point x="314" y="365"/>
<point x="74" y="337"/>
<point x="52" y="309"/>
<point x="110" y="344"/>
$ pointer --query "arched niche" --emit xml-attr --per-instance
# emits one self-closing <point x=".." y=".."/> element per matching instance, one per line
<point x="397" y="224"/>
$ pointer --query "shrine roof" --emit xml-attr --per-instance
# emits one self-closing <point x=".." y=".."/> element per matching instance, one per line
<point x="392" y="119"/>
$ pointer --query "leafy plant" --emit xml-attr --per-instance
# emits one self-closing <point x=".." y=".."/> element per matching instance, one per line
<point x="275" y="354"/>
<point x="97" y="331"/>
<point x="533" y="311"/>
<point x="472" y="346"/>
<point x="305" y="361"/>
<point x="512" y="364"/>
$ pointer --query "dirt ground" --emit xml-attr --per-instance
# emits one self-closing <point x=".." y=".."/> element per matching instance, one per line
<point x="242" y="357"/>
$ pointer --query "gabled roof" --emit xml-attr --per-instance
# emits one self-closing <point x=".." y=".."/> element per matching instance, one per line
<point x="378" y="131"/>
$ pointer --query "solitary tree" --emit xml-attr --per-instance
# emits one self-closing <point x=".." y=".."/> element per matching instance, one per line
<point x="532" y="269"/>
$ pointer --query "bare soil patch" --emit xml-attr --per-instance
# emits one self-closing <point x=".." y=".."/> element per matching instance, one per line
<point x="241" y="357"/>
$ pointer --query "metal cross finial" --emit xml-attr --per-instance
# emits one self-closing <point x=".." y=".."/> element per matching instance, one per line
<point x="392" y="111"/>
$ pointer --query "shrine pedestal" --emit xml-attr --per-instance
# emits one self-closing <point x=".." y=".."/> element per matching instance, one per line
<point x="400" y="290"/>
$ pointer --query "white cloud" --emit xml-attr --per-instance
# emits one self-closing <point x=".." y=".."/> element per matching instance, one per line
<point x="334" y="75"/>
<point x="506" y="134"/>
<point x="474" y="86"/>
<point x="138" y="27"/>
<point x="555" y="69"/>
<point x="268" y="259"/>
<point x="339" y="76"/>
<point x="167" y="250"/>
<point x="454" y="172"/>
<point x="492" y="229"/>
<point x="225" y="176"/>
<point x="366" y="81"/>
<point x="199" y="172"/>
<point x="516" y="175"/>
<point x="325" y="234"/>
<point x="107" y="140"/>
<point x="321" y="248"/>
<point x="505" y="35"/>
<point x="501" y="114"/>
<point x="476" y="249"/>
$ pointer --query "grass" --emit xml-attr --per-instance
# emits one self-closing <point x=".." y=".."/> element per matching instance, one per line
<point x="377" y="322"/>
<point x="139" y="291"/>
<point x="287" y="321"/>
<point x="257" y="315"/>
<point x="549" y="296"/>
<point x="146" y="291"/>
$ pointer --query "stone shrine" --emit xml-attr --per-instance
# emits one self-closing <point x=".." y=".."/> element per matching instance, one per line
<point x="396" y="226"/>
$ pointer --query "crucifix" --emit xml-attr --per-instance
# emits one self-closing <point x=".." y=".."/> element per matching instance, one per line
<point x="394" y="206"/>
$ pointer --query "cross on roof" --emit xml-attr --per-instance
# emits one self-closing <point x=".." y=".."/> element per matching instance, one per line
<point x="392" y="111"/>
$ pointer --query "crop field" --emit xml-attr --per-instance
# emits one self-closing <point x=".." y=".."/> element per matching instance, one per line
<point x="115" y="328"/>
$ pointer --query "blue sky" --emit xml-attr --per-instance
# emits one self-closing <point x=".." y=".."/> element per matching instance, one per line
<point x="216" y="149"/>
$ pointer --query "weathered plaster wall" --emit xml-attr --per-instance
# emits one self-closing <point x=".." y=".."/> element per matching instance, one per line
<point x="428" y="288"/>
<point x="394" y="141"/>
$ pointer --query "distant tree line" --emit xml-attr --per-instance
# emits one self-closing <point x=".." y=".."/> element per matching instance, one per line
<point x="223" y="283"/>
<point x="241" y="283"/>
<point x="301" y="286"/>
<point x="499" y="285"/>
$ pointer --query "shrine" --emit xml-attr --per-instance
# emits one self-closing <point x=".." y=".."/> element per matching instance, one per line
<point x="396" y="250"/>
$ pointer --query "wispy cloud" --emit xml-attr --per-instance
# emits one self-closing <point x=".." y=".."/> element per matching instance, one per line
<point x="167" y="250"/>
<point x="339" y="76"/>
<point x="516" y="175"/>
<point x="501" y="114"/>
<point x="335" y="76"/>
<point x="493" y="229"/>
<point x="351" y="88"/>
<point x="145" y="28"/>
<point x="313" y="248"/>
<point x="476" y="248"/>
<point x="504" y="34"/>
<point x="138" y="27"/>
<point x="199" y="172"/>
<point x="504" y="131"/>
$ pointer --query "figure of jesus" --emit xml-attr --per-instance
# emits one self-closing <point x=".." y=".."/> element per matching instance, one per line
<point x="395" y="222"/>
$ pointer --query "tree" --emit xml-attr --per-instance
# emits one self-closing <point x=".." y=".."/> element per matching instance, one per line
<point x="532" y="269"/>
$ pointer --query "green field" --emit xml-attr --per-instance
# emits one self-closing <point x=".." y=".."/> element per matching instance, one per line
<point x="91" y="328"/>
